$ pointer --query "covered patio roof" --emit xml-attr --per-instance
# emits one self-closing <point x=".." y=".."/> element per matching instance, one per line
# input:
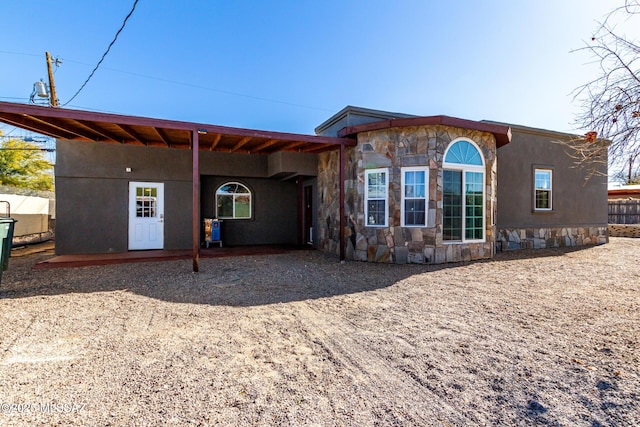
<point x="79" y="125"/>
<point x="90" y="127"/>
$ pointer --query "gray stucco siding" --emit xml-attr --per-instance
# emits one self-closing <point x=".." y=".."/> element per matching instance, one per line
<point x="274" y="211"/>
<point x="92" y="192"/>
<point x="575" y="201"/>
<point x="92" y="215"/>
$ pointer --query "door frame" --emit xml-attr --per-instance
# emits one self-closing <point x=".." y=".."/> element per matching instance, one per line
<point x="133" y="243"/>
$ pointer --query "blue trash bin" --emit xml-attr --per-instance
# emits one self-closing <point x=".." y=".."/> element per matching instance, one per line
<point x="212" y="231"/>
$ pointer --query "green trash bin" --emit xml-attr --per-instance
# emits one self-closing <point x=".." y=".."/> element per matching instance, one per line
<point x="6" y="236"/>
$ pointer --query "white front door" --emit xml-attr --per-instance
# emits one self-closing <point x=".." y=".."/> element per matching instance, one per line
<point x="146" y="215"/>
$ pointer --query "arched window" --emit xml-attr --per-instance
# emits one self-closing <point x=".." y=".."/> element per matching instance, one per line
<point x="233" y="201"/>
<point x="463" y="201"/>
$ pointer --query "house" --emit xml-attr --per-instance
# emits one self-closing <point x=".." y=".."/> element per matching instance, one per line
<point x="34" y="215"/>
<point x="441" y="189"/>
<point x="624" y="211"/>
<point x="624" y="192"/>
<point x="370" y="185"/>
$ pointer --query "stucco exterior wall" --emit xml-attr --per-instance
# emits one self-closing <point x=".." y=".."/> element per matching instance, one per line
<point x="92" y="188"/>
<point x="579" y="206"/>
<point x="274" y="216"/>
<point x="393" y="149"/>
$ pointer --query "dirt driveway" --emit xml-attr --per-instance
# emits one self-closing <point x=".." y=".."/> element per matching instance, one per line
<point x="547" y="337"/>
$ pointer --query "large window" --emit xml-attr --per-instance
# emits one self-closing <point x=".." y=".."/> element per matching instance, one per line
<point x="376" y="190"/>
<point x="543" y="188"/>
<point x="452" y="205"/>
<point x="233" y="201"/>
<point x="463" y="201"/>
<point x="415" y="181"/>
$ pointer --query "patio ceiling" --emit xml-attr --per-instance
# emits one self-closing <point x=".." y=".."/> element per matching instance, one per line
<point x="90" y="126"/>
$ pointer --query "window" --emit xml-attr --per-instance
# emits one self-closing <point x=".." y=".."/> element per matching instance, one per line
<point x="542" y="190"/>
<point x="452" y="205"/>
<point x="146" y="202"/>
<point x="233" y="201"/>
<point x="376" y="190"/>
<point x="414" y="196"/>
<point x="463" y="201"/>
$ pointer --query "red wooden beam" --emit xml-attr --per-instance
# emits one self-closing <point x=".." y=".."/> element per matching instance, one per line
<point x="102" y="132"/>
<point x="216" y="141"/>
<point x="319" y="148"/>
<point x="264" y="145"/>
<point x="502" y="133"/>
<point x="240" y="143"/>
<point x="21" y="122"/>
<point x="65" y="128"/>
<point x="300" y="212"/>
<point x="196" y="201"/>
<point x="163" y="136"/>
<point x="133" y="134"/>
<point x="63" y="113"/>
<point x="293" y="145"/>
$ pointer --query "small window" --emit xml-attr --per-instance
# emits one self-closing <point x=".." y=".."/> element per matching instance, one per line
<point x="543" y="189"/>
<point x="414" y="196"/>
<point x="146" y="202"/>
<point x="464" y="153"/>
<point x="376" y="190"/>
<point x="233" y="201"/>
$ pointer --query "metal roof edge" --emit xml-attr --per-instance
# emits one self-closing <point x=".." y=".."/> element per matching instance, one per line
<point x="358" y="110"/>
<point x="501" y="132"/>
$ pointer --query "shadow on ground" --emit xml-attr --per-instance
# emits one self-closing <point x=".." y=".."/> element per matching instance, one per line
<point x="237" y="281"/>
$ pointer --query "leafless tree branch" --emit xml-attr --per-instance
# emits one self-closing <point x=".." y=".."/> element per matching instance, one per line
<point x="610" y="103"/>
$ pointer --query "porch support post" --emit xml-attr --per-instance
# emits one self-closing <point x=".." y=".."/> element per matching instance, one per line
<point x="342" y="218"/>
<point x="300" y="212"/>
<point x="195" y="148"/>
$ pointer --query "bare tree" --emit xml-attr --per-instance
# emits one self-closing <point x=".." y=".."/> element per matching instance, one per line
<point x="611" y="101"/>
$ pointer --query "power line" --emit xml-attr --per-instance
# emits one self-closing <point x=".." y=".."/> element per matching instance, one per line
<point x="105" y="53"/>
<point x="176" y="82"/>
<point x="227" y="92"/>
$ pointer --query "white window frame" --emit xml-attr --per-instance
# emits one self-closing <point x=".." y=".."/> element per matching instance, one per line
<point x="404" y="197"/>
<point x="368" y="172"/>
<point x="463" y="168"/>
<point x="234" y="195"/>
<point x="536" y="189"/>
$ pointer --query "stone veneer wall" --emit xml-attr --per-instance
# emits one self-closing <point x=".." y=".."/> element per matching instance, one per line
<point x="395" y="148"/>
<point x="555" y="237"/>
<point x="329" y="200"/>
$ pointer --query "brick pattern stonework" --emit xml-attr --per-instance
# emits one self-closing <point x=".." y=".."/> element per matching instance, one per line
<point x="556" y="237"/>
<point x="395" y="148"/>
<point x="623" y="230"/>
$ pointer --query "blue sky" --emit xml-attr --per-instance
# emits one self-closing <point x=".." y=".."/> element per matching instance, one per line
<point x="289" y="65"/>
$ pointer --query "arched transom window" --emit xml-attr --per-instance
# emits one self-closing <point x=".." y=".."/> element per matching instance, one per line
<point x="463" y="200"/>
<point x="233" y="201"/>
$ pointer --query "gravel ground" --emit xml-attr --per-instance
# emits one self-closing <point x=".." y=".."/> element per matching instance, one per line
<point x="547" y="337"/>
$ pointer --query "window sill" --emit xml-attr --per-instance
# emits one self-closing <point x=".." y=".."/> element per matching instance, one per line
<point x="461" y="242"/>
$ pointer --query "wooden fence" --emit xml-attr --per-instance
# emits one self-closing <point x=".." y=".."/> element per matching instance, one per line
<point x="624" y="212"/>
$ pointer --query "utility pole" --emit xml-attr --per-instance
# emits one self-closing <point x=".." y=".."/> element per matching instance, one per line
<point x="52" y="87"/>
